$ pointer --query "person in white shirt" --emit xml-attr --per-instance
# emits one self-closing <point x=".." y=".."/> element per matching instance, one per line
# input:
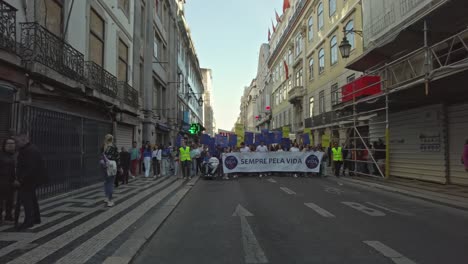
<point x="295" y="148"/>
<point x="244" y="148"/>
<point x="262" y="148"/>
<point x="156" y="156"/>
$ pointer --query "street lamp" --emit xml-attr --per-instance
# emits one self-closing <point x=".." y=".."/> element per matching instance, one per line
<point x="345" y="46"/>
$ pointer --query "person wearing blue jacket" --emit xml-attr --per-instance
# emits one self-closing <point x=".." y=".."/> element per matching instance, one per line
<point x="147" y="155"/>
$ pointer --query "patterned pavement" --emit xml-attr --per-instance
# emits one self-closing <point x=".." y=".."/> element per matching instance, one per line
<point x="79" y="228"/>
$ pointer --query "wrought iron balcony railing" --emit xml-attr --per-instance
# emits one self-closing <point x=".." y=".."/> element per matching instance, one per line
<point x="40" y="45"/>
<point x="7" y="27"/>
<point x="128" y="94"/>
<point x="99" y="79"/>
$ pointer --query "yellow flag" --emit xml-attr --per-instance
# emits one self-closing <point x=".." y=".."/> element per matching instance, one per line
<point x="285" y="132"/>
<point x="239" y="130"/>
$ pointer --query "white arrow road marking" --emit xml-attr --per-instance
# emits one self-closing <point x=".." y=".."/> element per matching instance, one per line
<point x="287" y="190"/>
<point x="319" y="210"/>
<point x="389" y="252"/>
<point x="400" y="212"/>
<point x="252" y="249"/>
<point x="364" y="209"/>
<point x="272" y="180"/>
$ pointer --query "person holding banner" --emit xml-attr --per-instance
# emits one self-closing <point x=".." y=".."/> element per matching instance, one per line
<point x="261" y="148"/>
<point x="295" y="148"/>
<point x="244" y="148"/>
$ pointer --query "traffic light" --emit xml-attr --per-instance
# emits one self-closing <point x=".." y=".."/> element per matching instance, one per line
<point x="194" y="129"/>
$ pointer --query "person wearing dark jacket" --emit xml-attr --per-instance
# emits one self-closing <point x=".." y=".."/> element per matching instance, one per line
<point x="30" y="174"/>
<point x="125" y="164"/>
<point x="7" y="178"/>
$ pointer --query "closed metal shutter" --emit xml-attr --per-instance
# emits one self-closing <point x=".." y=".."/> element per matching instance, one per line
<point x="458" y="134"/>
<point x="5" y="112"/>
<point x="417" y="148"/>
<point x="124" y="136"/>
<point x="377" y="129"/>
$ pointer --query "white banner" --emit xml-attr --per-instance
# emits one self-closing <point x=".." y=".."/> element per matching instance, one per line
<point x="272" y="161"/>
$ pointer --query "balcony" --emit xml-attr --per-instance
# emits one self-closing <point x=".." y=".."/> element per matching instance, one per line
<point x="97" y="78"/>
<point x="128" y="94"/>
<point x="296" y="94"/>
<point x="7" y="27"/>
<point x="40" y="45"/>
<point x="322" y="119"/>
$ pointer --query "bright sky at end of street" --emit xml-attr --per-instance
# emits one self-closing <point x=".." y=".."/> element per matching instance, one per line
<point x="227" y="36"/>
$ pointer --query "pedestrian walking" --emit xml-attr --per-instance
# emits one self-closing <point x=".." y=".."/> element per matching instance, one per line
<point x="156" y="156"/>
<point x="125" y="164"/>
<point x="337" y="153"/>
<point x="7" y="178"/>
<point x="465" y="155"/>
<point x="147" y="153"/>
<point x="110" y="162"/>
<point x="194" y="154"/>
<point x="185" y="160"/>
<point x="31" y="173"/>
<point x="134" y="158"/>
<point x="166" y="157"/>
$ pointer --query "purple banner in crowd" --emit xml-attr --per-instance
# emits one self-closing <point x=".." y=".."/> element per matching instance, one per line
<point x="286" y="143"/>
<point x="277" y="137"/>
<point x="232" y="140"/>
<point x="222" y="141"/>
<point x="258" y="138"/>
<point x="205" y="139"/>
<point x="305" y="139"/>
<point x="248" y="138"/>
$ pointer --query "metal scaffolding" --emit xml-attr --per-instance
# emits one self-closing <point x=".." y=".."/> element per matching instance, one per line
<point x="356" y="113"/>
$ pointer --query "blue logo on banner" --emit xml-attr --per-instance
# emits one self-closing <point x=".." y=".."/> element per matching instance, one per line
<point x="230" y="162"/>
<point x="312" y="162"/>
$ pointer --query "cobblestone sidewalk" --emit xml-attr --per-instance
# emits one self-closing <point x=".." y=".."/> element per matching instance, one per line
<point x="79" y="228"/>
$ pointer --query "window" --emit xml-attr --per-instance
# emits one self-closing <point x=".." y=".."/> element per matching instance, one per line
<point x="125" y="6"/>
<point x="142" y="23"/>
<point x="320" y="16"/>
<point x="54" y="16"/>
<point x="350" y="35"/>
<point x="350" y="78"/>
<point x="310" y="32"/>
<point x="311" y="69"/>
<point x="335" y="94"/>
<point x="155" y="49"/>
<point x="123" y="61"/>
<point x="332" y="7"/>
<point x="289" y="85"/>
<point x="333" y="51"/>
<point x="96" y="39"/>
<point x="322" y="102"/>
<point x="290" y="57"/>
<point x="285" y="92"/>
<point x="298" y="44"/>
<point x="299" y="77"/>
<point x="311" y="107"/>
<point x="321" y="56"/>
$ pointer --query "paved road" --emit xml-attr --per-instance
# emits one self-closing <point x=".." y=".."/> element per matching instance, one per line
<point x="287" y="220"/>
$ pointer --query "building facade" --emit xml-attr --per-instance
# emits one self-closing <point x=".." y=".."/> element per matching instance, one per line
<point x="248" y="107"/>
<point x="264" y="90"/>
<point x="190" y="79"/>
<point x="73" y="71"/>
<point x="208" y="105"/>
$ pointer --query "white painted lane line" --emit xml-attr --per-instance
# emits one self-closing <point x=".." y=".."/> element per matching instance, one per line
<point x="319" y="210"/>
<point x="287" y="190"/>
<point x="252" y="249"/>
<point x="400" y="212"/>
<point x="272" y="180"/>
<point x="364" y="209"/>
<point x="389" y="252"/>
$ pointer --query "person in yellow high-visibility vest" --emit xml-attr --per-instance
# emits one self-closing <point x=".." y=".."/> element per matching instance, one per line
<point x="337" y="156"/>
<point x="185" y="160"/>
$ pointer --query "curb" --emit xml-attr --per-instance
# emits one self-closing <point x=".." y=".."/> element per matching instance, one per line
<point x="426" y="197"/>
<point x="135" y="243"/>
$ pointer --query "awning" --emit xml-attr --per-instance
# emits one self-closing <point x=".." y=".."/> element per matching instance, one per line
<point x="163" y="127"/>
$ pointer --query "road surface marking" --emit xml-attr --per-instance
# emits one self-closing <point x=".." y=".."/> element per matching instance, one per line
<point x="319" y="210"/>
<point x="333" y="190"/>
<point x="44" y="250"/>
<point x="389" y="252"/>
<point x="272" y="180"/>
<point x="390" y="210"/>
<point x="287" y="190"/>
<point x="364" y="209"/>
<point x="252" y="249"/>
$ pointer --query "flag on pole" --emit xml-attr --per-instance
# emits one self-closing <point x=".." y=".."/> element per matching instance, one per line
<point x="269" y="35"/>
<point x="286" y="5"/>
<point x="273" y="25"/>
<point x="286" y="69"/>
<point x="278" y="18"/>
